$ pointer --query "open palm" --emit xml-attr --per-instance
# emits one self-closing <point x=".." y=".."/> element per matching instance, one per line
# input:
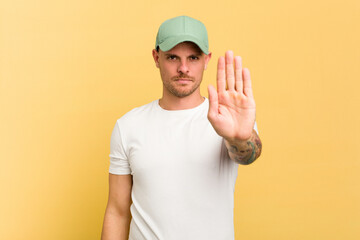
<point x="232" y="109"/>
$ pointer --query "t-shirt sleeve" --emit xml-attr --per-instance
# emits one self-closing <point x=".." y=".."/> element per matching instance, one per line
<point x="255" y="128"/>
<point x="119" y="163"/>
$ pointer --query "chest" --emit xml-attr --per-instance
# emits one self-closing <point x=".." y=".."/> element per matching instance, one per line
<point x="174" y="146"/>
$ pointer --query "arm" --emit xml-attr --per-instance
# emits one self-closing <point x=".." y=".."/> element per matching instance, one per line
<point x="117" y="215"/>
<point x="244" y="152"/>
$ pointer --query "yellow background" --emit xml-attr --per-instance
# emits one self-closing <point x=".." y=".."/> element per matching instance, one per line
<point x="70" y="68"/>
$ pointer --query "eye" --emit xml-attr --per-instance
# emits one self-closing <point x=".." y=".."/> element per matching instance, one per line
<point x="171" y="57"/>
<point x="194" y="58"/>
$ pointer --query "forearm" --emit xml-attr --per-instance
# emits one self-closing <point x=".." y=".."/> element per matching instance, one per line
<point x="244" y="152"/>
<point x="116" y="226"/>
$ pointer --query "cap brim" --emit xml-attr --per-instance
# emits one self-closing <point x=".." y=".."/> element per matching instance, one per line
<point x="171" y="42"/>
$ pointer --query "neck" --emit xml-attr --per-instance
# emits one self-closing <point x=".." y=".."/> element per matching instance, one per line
<point x="171" y="102"/>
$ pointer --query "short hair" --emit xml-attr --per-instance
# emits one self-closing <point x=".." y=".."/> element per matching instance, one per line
<point x="196" y="46"/>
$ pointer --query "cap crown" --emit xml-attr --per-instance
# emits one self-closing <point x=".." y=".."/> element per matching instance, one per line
<point x="180" y="29"/>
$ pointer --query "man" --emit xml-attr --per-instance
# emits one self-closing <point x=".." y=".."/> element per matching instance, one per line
<point x="173" y="162"/>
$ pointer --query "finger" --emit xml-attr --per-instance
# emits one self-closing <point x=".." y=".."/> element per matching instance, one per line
<point x="238" y="75"/>
<point x="229" y="57"/>
<point x="247" y="83"/>
<point x="221" y="84"/>
<point x="213" y="102"/>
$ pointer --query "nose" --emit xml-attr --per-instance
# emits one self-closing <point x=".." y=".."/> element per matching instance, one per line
<point x="183" y="67"/>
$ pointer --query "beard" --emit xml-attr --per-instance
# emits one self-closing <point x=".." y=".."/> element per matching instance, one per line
<point x="181" y="90"/>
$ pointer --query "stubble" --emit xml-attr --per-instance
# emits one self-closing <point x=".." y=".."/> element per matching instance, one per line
<point x="181" y="90"/>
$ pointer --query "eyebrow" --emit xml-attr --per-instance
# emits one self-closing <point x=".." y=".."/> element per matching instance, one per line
<point x="196" y="55"/>
<point x="171" y="54"/>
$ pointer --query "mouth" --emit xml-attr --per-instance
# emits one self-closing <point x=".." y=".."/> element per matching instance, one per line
<point x="183" y="80"/>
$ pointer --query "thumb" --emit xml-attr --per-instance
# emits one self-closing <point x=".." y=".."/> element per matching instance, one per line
<point x="213" y="102"/>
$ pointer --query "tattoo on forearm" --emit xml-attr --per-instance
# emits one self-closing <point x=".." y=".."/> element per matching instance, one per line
<point x="233" y="149"/>
<point x="245" y="152"/>
<point x="252" y="157"/>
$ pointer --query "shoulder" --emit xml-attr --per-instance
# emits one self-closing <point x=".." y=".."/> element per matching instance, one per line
<point x="137" y="114"/>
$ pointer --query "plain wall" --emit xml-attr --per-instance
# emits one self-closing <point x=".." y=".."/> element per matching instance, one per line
<point x="70" y="69"/>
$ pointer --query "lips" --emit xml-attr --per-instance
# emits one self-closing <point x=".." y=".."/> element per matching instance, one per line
<point x="183" y="80"/>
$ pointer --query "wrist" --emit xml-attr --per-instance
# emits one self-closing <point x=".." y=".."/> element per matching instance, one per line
<point x="237" y="140"/>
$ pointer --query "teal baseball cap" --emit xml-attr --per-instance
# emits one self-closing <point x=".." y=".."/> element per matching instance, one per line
<point x="180" y="29"/>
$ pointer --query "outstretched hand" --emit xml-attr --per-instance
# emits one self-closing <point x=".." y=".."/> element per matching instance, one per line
<point x="232" y="108"/>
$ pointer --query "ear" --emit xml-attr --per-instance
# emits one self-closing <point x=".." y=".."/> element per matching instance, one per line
<point x="207" y="59"/>
<point x="156" y="57"/>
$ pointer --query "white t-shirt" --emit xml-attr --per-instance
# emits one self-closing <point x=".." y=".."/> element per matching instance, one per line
<point x="183" y="178"/>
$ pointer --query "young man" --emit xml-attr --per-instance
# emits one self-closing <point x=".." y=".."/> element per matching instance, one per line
<point x="174" y="161"/>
